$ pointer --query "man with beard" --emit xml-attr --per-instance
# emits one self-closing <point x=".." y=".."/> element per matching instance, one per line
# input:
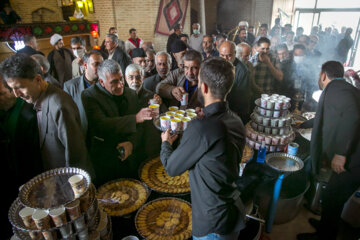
<point x="182" y="80"/>
<point x="113" y="114"/>
<point x="239" y="96"/>
<point x="60" y="60"/>
<point x="139" y="56"/>
<point x="174" y="36"/>
<point x="243" y="51"/>
<point x="178" y="49"/>
<point x="208" y="47"/>
<point x="335" y="144"/>
<point x="150" y="63"/>
<point x="250" y="38"/>
<point x="150" y="141"/>
<point x="162" y="65"/>
<point x="76" y="86"/>
<point x="211" y="148"/>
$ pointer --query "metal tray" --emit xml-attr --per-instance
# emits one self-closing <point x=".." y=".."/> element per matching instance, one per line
<point x="283" y="162"/>
<point x="151" y="202"/>
<point x="119" y="180"/>
<point x="156" y="189"/>
<point x="90" y="214"/>
<point x="51" y="189"/>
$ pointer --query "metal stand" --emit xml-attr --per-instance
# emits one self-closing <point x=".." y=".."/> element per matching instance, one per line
<point x="272" y="208"/>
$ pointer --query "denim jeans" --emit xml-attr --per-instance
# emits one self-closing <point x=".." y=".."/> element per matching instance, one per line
<point x="215" y="236"/>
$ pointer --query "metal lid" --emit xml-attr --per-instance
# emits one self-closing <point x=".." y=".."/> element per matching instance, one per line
<point x="284" y="162"/>
<point x="57" y="211"/>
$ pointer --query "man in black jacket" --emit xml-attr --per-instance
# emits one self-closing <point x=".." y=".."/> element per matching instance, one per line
<point x="115" y="52"/>
<point x="30" y="46"/>
<point x="19" y="147"/>
<point x="239" y="96"/>
<point x="210" y="149"/>
<point x="113" y="115"/>
<point x="335" y="144"/>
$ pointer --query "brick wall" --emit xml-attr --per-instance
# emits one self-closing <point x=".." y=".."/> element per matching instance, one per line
<point x="137" y="14"/>
<point x="24" y="8"/>
<point x="123" y="14"/>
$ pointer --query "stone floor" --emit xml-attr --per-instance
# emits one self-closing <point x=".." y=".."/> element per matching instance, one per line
<point x="289" y="230"/>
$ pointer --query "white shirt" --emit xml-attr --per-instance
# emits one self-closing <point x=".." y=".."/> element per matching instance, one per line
<point x="196" y="42"/>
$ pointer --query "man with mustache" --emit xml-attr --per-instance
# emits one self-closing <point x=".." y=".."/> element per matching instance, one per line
<point x="181" y="81"/>
<point x="162" y="64"/>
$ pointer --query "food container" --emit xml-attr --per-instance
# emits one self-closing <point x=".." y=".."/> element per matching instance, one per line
<point x="165" y="122"/>
<point x="185" y="122"/>
<point x="155" y="108"/>
<point x="185" y="99"/>
<point x="170" y="114"/>
<point x="175" y="124"/>
<point x="173" y="108"/>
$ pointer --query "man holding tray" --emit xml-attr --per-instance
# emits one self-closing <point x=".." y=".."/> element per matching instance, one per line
<point x="211" y="148"/>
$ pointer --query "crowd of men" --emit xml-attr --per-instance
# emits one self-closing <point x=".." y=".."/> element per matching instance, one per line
<point x="90" y="109"/>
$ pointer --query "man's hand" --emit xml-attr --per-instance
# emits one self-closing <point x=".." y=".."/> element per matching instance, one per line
<point x="157" y="99"/>
<point x="79" y="61"/>
<point x="199" y="112"/>
<point x="177" y="92"/>
<point x="128" y="147"/>
<point x="263" y="57"/>
<point x="338" y="163"/>
<point x="166" y="136"/>
<point x="144" y="114"/>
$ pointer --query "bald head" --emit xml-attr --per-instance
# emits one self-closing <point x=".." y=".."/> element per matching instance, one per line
<point x="227" y="51"/>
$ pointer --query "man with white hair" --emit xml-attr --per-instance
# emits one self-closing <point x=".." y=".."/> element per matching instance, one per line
<point x="113" y="115"/>
<point x="243" y="51"/>
<point x="196" y="38"/>
<point x="163" y="65"/>
<point x="150" y="141"/>
<point x="60" y="60"/>
<point x="116" y="52"/>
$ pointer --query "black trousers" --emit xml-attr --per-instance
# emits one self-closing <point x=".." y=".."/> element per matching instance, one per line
<point x="338" y="190"/>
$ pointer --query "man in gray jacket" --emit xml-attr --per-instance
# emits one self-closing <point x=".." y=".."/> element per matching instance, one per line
<point x="61" y="140"/>
<point x="74" y="87"/>
<point x="182" y="81"/>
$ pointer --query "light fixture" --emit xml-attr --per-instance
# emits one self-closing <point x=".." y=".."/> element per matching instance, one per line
<point x="80" y="4"/>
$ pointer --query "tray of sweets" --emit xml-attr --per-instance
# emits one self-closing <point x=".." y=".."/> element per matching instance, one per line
<point x="123" y="196"/>
<point x="164" y="219"/>
<point x="153" y="174"/>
